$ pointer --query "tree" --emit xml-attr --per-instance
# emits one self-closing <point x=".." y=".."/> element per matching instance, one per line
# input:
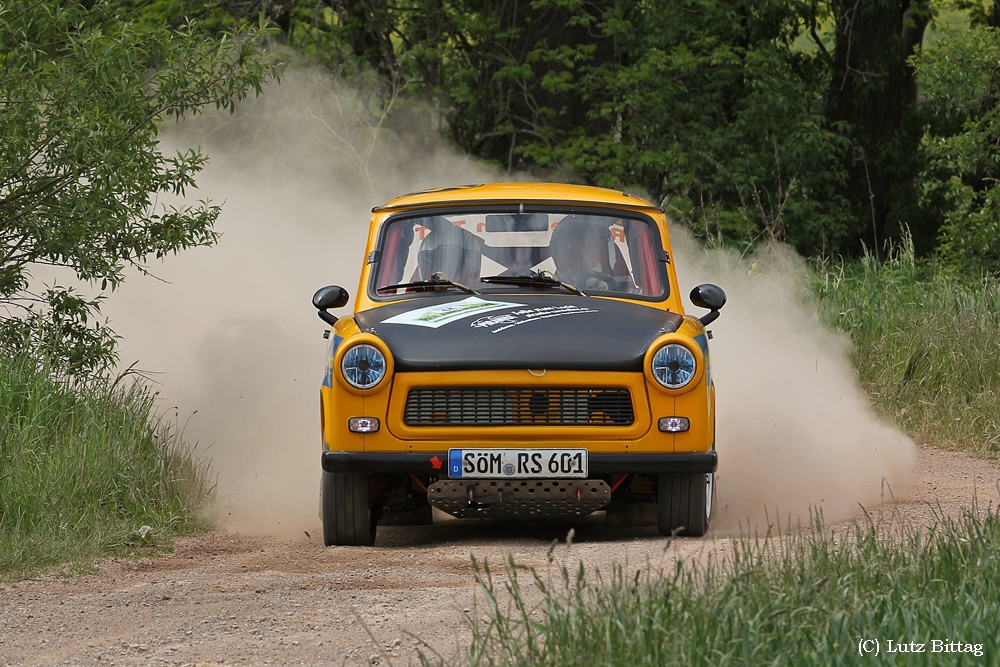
<point x="873" y="95"/>
<point x="703" y="105"/>
<point x="708" y="108"/>
<point x="83" y="88"/>
<point x="740" y="117"/>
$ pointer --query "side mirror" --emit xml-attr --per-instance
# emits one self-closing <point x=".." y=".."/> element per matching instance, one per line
<point x="332" y="296"/>
<point x="711" y="297"/>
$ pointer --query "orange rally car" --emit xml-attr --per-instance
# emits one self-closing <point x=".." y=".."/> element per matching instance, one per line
<point x="517" y="350"/>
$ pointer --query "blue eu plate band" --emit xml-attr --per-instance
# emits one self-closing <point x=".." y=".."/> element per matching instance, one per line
<point x="454" y="463"/>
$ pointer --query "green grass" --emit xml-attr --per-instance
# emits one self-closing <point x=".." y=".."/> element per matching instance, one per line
<point x="84" y="466"/>
<point x="926" y="347"/>
<point x="806" y="599"/>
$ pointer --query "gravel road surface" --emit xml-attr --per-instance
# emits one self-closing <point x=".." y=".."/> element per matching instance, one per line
<point x="224" y="599"/>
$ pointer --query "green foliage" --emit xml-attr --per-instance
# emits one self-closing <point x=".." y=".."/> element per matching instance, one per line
<point x="82" y="89"/>
<point x="210" y="16"/>
<point x="978" y="12"/>
<point x="699" y="104"/>
<point x="925" y="346"/>
<point x="753" y="120"/>
<point x="805" y="598"/>
<point x="84" y="465"/>
<point x="970" y="236"/>
<point x="706" y="106"/>
<point x="960" y="78"/>
<point x="750" y="121"/>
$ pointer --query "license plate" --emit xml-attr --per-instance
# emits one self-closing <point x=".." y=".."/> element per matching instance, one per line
<point x="516" y="463"/>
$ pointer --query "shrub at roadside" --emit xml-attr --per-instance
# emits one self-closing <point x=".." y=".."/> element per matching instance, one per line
<point x="84" y="183"/>
<point x="926" y="346"/>
<point x="84" y="466"/>
<point x="809" y="598"/>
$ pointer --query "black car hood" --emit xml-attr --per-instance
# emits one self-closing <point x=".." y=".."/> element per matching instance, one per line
<point x="515" y="332"/>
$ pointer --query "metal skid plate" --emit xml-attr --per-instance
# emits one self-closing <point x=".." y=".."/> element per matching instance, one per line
<point x="535" y="498"/>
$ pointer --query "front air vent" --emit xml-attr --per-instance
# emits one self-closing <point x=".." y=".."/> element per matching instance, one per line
<point x="518" y="406"/>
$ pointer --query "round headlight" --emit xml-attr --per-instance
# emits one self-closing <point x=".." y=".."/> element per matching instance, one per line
<point x="674" y="365"/>
<point x="363" y="366"/>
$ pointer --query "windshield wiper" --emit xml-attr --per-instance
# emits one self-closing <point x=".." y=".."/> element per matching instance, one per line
<point x="436" y="280"/>
<point x="535" y="279"/>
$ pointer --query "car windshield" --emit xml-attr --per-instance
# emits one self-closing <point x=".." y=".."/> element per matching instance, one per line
<point x="489" y="252"/>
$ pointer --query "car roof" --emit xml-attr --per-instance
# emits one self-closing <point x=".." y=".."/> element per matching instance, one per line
<point x="518" y="192"/>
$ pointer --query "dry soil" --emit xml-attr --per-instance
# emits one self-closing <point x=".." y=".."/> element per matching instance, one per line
<point x="240" y="600"/>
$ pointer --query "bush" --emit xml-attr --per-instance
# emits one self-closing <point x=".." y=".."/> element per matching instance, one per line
<point x="959" y="82"/>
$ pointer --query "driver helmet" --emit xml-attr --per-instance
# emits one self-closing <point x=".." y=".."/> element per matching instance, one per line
<point x="582" y="243"/>
<point x="449" y="250"/>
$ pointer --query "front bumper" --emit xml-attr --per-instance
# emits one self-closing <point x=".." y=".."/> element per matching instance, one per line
<point x="433" y="463"/>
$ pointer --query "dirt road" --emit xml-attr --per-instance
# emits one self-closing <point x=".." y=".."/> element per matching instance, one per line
<point x="236" y="600"/>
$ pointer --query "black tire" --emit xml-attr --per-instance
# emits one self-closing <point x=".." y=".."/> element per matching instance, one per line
<point x="684" y="503"/>
<point x="347" y="518"/>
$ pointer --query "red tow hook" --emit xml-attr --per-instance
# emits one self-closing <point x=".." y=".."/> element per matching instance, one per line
<point x="619" y="482"/>
<point x="419" y="483"/>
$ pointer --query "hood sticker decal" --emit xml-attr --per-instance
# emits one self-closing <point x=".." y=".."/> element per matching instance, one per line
<point x="436" y="316"/>
<point x="503" y="321"/>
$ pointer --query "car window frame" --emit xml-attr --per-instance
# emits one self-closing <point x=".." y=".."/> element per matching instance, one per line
<point x="374" y="267"/>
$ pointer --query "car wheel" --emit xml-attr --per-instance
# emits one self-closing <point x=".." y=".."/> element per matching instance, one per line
<point x="347" y="518"/>
<point x="684" y="503"/>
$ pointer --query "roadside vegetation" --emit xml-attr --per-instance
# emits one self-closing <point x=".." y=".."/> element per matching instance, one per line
<point x="926" y="345"/>
<point x="87" y="469"/>
<point x="803" y="598"/>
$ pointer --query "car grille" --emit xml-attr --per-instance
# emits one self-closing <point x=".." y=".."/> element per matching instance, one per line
<point x="518" y="406"/>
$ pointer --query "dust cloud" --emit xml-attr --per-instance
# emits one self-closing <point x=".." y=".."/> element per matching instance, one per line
<point x="230" y="338"/>
<point x="795" y="432"/>
<point x="228" y="333"/>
